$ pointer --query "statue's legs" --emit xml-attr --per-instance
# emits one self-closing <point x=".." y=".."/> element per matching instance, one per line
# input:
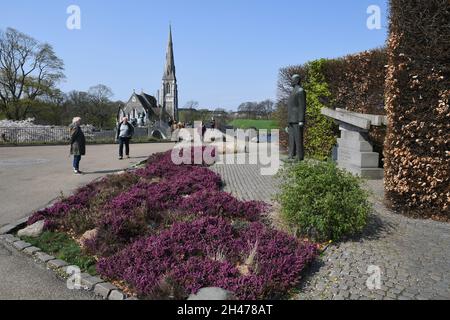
<point x="300" y="149"/>
<point x="296" y="147"/>
<point x="292" y="146"/>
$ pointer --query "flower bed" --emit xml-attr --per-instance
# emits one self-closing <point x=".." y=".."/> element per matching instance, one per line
<point x="165" y="231"/>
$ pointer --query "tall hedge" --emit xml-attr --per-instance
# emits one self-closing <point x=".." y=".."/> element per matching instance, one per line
<point x="417" y="149"/>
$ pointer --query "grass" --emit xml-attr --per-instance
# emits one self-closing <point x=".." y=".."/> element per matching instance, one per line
<point x="258" y="124"/>
<point x="65" y="248"/>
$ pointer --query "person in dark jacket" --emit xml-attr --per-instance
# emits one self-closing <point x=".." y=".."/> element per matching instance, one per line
<point x="125" y="131"/>
<point x="77" y="144"/>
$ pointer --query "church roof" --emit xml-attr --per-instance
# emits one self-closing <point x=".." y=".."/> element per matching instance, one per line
<point x="146" y="102"/>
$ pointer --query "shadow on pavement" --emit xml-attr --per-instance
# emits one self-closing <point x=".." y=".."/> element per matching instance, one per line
<point x="103" y="171"/>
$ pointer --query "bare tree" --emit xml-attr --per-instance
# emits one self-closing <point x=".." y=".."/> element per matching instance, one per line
<point x="191" y="105"/>
<point x="28" y="70"/>
<point x="101" y="107"/>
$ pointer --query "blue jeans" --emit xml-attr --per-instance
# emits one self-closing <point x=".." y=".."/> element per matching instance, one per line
<point x="76" y="162"/>
<point x="124" y="141"/>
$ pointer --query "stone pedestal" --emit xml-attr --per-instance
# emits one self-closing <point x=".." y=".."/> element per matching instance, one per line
<point x="355" y="154"/>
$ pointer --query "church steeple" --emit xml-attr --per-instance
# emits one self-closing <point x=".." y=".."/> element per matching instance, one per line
<point x="169" y="72"/>
<point x="169" y="88"/>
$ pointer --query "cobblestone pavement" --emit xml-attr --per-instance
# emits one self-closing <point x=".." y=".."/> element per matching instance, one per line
<point x="411" y="256"/>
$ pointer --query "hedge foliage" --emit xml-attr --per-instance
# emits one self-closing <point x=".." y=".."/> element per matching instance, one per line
<point x="354" y="83"/>
<point x="321" y="201"/>
<point x="417" y="157"/>
<point x="319" y="137"/>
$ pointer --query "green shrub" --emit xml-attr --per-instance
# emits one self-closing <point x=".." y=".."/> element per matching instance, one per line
<point x="323" y="202"/>
<point x="319" y="135"/>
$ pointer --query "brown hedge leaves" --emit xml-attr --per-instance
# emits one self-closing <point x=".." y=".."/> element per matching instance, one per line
<point x="417" y="157"/>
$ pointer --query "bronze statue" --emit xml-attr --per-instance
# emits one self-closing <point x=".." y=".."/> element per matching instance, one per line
<point x="296" y="119"/>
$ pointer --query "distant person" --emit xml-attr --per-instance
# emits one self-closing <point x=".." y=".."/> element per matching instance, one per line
<point x="77" y="144"/>
<point x="203" y="130"/>
<point x="125" y="132"/>
<point x="213" y="124"/>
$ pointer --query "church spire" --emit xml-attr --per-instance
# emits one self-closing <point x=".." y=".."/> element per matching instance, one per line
<point x="169" y="72"/>
<point x="169" y="89"/>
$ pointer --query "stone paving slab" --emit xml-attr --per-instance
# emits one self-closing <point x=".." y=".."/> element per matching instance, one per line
<point x="412" y="256"/>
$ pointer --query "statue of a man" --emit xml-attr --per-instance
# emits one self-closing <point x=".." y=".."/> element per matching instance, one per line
<point x="296" y="119"/>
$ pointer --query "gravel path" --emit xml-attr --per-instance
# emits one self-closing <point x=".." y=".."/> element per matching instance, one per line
<point x="411" y="257"/>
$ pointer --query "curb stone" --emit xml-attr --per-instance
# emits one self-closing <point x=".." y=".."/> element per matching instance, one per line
<point x="56" y="264"/>
<point x="13" y="226"/>
<point x="90" y="282"/>
<point x="10" y="240"/>
<point x="43" y="257"/>
<point x="59" y="267"/>
<point x="31" y="250"/>
<point x="104" y="289"/>
<point x="20" y="245"/>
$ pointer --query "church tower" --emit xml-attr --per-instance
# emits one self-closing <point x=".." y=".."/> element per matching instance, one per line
<point x="169" y="90"/>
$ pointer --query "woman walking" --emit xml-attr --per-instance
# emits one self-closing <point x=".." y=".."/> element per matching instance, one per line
<point x="125" y="132"/>
<point x="77" y="144"/>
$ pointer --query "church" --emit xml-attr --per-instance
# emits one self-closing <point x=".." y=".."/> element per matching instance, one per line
<point x="143" y="109"/>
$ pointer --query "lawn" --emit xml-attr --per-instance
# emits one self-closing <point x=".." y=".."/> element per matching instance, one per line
<point x="258" y="124"/>
<point x="63" y="247"/>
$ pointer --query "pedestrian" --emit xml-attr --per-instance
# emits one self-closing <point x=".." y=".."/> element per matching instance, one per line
<point x="203" y="131"/>
<point x="77" y="144"/>
<point x="125" y="131"/>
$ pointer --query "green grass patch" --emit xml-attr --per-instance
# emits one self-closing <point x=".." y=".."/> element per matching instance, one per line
<point x="63" y="247"/>
<point x="258" y="124"/>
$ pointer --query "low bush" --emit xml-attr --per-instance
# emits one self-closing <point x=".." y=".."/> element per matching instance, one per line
<point x="322" y="201"/>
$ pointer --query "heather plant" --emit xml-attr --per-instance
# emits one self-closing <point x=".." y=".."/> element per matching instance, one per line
<point x="83" y="199"/>
<point x="167" y="230"/>
<point x="187" y="249"/>
<point x="321" y="201"/>
<point x="217" y="203"/>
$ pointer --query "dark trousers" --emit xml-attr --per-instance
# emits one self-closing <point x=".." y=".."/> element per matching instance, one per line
<point x="122" y="142"/>
<point x="76" y="162"/>
<point x="296" y="148"/>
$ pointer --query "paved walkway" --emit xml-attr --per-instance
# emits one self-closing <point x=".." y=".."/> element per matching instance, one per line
<point x="413" y="256"/>
<point x="31" y="177"/>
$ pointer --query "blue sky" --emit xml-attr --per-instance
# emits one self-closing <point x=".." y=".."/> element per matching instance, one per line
<point x="226" y="51"/>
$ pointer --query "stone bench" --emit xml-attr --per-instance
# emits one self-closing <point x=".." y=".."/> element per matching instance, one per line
<point x="355" y="152"/>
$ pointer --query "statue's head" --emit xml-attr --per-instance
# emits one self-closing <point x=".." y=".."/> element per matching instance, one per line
<point x="296" y="79"/>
